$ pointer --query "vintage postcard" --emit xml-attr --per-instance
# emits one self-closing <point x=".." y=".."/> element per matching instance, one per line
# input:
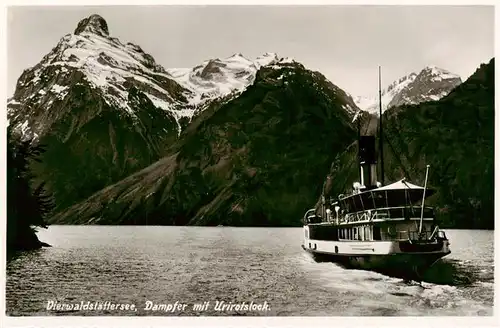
<point x="265" y="161"/>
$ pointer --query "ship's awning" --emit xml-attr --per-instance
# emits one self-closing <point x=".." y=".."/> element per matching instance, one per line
<point x="399" y="185"/>
<point x="400" y="193"/>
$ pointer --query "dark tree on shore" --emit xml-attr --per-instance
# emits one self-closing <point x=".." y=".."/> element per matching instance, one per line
<point x="27" y="206"/>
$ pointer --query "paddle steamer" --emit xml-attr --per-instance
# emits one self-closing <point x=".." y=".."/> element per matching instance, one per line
<point x="385" y="228"/>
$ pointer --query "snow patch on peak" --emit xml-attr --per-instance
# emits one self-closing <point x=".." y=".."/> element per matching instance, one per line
<point x="237" y="58"/>
<point x="434" y="69"/>
<point x="267" y="59"/>
<point x="270" y="54"/>
<point x="59" y="90"/>
<point x="439" y="74"/>
<point x="236" y="55"/>
<point x="287" y="60"/>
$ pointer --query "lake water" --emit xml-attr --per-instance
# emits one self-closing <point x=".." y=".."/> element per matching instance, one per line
<point x="162" y="265"/>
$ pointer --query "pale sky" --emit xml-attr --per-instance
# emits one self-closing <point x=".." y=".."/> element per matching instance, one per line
<point x="345" y="43"/>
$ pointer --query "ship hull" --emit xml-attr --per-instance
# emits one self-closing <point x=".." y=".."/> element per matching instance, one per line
<point x="409" y="266"/>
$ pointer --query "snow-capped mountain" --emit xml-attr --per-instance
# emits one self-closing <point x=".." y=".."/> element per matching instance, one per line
<point x="216" y="78"/>
<point x="102" y="108"/>
<point x="432" y="83"/>
<point x="109" y="109"/>
<point x="107" y="68"/>
<point x="92" y="59"/>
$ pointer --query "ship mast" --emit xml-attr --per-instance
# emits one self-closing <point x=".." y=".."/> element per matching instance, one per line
<point x="359" y="138"/>
<point x="380" y="140"/>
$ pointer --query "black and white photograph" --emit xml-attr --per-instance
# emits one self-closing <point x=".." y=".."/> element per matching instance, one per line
<point x="249" y="160"/>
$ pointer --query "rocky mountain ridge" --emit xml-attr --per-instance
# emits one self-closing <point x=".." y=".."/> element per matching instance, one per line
<point x="255" y="160"/>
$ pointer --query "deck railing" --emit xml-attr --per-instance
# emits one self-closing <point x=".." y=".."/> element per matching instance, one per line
<point x="402" y="212"/>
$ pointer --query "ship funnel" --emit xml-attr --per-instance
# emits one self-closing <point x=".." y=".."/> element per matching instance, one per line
<point x="367" y="161"/>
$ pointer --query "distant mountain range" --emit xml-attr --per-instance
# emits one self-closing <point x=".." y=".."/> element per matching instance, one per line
<point x="432" y="83"/>
<point x="217" y="78"/>
<point x="231" y="141"/>
<point x="90" y="56"/>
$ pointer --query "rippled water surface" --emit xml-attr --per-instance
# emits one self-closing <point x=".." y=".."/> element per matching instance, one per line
<point x="125" y="264"/>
